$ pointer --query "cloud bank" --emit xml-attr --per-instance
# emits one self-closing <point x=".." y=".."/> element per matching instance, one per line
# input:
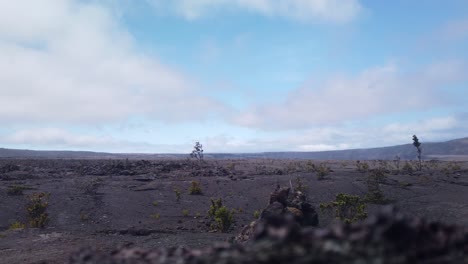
<point x="335" y="11"/>
<point x="340" y="99"/>
<point x="72" y="62"/>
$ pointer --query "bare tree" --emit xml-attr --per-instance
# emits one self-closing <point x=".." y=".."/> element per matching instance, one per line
<point x="417" y="144"/>
<point x="197" y="151"/>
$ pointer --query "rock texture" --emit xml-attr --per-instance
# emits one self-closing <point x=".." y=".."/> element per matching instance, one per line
<point x="285" y="233"/>
<point x="387" y="237"/>
<point x="283" y="203"/>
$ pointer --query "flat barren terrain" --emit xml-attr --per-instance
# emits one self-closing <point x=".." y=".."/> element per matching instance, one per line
<point x="105" y="204"/>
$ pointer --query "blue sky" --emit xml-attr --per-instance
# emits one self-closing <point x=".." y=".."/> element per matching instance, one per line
<point x="239" y="76"/>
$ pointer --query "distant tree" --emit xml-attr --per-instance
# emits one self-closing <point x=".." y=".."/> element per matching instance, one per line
<point x="417" y="144"/>
<point x="197" y="151"/>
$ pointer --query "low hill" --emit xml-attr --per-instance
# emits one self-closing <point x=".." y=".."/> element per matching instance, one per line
<point x="456" y="149"/>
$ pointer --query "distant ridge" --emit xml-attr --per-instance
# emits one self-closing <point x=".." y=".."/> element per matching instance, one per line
<point x="456" y="149"/>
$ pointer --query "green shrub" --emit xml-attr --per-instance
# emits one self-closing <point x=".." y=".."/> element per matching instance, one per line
<point x="17" y="226"/>
<point x="300" y="186"/>
<point x="451" y="168"/>
<point x="155" y="203"/>
<point x="322" y="170"/>
<point x="374" y="193"/>
<point x="195" y="188"/>
<point x="310" y="166"/>
<point x="362" y="166"/>
<point x="347" y="208"/>
<point x="256" y="214"/>
<point x="221" y="215"/>
<point x="36" y="208"/>
<point x="407" y="168"/>
<point x="156" y="216"/>
<point x="185" y="212"/>
<point x="178" y="193"/>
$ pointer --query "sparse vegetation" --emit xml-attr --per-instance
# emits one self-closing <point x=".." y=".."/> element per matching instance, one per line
<point x="310" y="166"/>
<point x="322" y="170"/>
<point x="451" y="168"/>
<point x="155" y="203"/>
<point x="221" y="215"/>
<point x="347" y="208"/>
<point x="231" y="166"/>
<point x="299" y="185"/>
<point x="256" y="214"/>
<point x="36" y="208"/>
<point x="185" y="212"/>
<point x="374" y="193"/>
<point x="17" y="225"/>
<point x="90" y="187"/>
<point x="195" y="188"/>
<point x="407" y="168"/>
<point x="362" y="166"/>
<point x="178" y="194"/>
<point x="156" y="216"/>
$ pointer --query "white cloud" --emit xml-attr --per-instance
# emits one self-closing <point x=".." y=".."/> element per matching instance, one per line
<point x="72" y="61"/>
<point x="59" y="139"/>
<point x="313" y="139"/>
<point x="377" y="91"/>
<point x="339" y="11"/>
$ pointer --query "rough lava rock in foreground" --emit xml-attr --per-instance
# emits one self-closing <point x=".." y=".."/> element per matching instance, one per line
<point x="285" y="233"/>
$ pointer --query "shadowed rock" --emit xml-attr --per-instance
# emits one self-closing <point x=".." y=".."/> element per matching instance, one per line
<point x="388" y="237"/>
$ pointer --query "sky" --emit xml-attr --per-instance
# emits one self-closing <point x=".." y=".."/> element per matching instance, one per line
<point x="155" y="76"/>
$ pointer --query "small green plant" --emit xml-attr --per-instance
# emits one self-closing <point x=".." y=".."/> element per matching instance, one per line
<point x="36" y="208"/>
<point x="347" y="208"/>
<point x="195" y="188"/>
<point x="407" y="168"/>
<point x="322" y="170"/>
<point x="156" y="216"/>
<point x="197" y="214"/>
<point x="374" y="193"/>
<point x="91" y="187"/>
<point x="155" y="203"/>
<point x="310" y="166"/>
<point x="17" y="225"/>
<point x="452" y="167"/>
<point x="185" y="212"/>
<point x="221" y="215"/>
<point x="362" y="166"/>
<point x="178" y="193"/>
<point x="256" y="214"/>
<point x="300" y="186"/>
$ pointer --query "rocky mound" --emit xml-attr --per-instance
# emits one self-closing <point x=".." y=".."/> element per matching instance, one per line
<point x="285" y="233"/>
